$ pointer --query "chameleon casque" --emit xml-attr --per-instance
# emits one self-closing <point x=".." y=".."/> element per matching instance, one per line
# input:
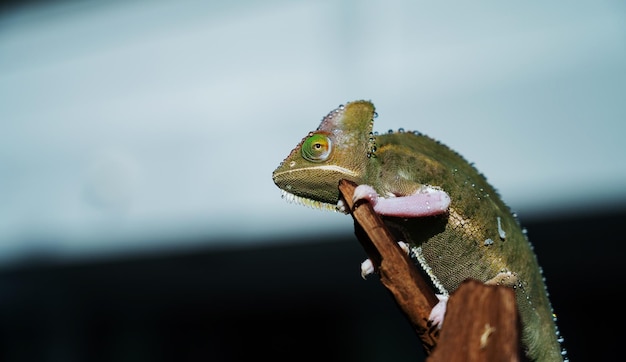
<point x="430" y="197"/>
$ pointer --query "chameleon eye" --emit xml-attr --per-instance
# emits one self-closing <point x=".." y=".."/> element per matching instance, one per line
<point x="316" y="148"/>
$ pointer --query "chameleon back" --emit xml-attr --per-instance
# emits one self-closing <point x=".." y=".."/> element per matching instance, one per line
<point x="479" y="238"/>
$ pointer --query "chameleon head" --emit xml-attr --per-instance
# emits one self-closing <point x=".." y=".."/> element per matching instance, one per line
<point x="338" y="149"/>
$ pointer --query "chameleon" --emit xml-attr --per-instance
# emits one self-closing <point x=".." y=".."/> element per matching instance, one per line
<point x="455" y="224"/>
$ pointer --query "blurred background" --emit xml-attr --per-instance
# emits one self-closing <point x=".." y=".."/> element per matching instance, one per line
<point x="138" y="218"/>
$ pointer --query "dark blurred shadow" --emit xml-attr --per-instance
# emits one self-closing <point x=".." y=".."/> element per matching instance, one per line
<point x="305" y="300"/>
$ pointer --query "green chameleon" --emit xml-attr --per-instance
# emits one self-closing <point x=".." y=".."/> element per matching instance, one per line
<point x="455" y="223"/>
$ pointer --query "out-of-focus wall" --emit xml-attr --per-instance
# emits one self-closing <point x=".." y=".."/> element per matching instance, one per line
<point x="127" y="124"/>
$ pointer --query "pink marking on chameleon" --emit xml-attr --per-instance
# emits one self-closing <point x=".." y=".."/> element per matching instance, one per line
<point x="427" y="201"/>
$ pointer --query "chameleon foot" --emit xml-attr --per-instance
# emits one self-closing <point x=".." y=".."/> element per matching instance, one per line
<point x="341" y="207"/>
<point x="427" y="201"/>
<point x="439" y="310"/>
<point x="367" y="267"/>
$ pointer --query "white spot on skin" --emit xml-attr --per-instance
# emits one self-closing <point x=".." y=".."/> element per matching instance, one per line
<point x="404" y="174"/>
<point x="504" y="278"/>
<point x="500" y="230"/>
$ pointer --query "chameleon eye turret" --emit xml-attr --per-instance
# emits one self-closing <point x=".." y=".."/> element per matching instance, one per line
<point x="317" y="147"/>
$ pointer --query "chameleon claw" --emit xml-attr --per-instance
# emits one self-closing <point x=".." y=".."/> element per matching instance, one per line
<point x="341" y="207"/>
<point x="367" y="268"/>
<point x="365" y="192"/>
<point x="404" y="246"/>
<point x="439" y="310"/>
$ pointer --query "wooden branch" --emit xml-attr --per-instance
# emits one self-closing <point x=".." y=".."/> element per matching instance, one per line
<point x="481" y="325"/>
<point x="481" y="322"/>
<point x="397" y="272"/>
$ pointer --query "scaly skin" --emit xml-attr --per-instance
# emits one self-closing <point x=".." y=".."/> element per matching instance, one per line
<point x="476" y="237"/>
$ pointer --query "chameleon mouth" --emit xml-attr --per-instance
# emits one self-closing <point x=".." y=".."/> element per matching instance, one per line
<point x="298" y="200"/>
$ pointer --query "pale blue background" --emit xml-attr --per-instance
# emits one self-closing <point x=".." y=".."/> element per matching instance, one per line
<point x="136" y="126"/>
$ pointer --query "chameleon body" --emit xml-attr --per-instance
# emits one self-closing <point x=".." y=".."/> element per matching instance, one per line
<point x="455" y="222"/>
